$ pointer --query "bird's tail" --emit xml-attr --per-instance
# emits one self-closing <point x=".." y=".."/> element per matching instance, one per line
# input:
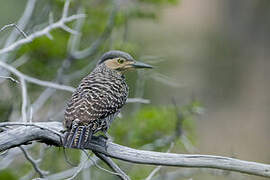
<point x="77" y="137"/>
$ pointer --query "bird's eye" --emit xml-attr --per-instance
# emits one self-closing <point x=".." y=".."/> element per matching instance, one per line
<point x="120" y="61"/>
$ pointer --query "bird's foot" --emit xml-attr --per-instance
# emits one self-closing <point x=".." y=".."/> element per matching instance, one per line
<point x="109" y="138"/>
<point x="63" y="131"/>
<point x="99" y="141"/>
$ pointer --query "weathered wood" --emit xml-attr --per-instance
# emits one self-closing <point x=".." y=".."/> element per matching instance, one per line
<point x="26" y="133"/>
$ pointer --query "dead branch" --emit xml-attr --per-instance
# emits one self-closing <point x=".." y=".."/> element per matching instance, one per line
<point x="22" y="134"/>
<point x="46" y="31"/>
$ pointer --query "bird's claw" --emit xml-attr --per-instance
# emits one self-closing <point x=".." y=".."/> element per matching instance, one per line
<point x="99" y="141"/>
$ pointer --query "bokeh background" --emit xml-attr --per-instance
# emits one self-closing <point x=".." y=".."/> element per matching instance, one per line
<point x="211" y="58"/>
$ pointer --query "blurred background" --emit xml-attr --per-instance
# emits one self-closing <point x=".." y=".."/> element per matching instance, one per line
<point x="211" y="76"/>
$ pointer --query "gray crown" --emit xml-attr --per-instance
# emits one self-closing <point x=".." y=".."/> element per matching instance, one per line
<point x="114" y="54"/>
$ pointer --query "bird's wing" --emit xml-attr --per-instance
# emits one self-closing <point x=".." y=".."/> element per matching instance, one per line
<point x="94" y="100"/>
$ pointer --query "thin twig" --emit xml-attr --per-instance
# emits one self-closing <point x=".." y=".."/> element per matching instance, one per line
<point x="138" y="100"/>
<point x="14" y="25"/>
<point x="89" y="51"/>
<point x="68" y="173"/>
<point x="22" y="23"/>
<point x="20" y="61"/>
<point x="151" y="175"/>
<point x="78" y="169"/>
<point x="24" y="100"/>
<point x="59" y="24"/>
<point x="34" y="80"/>
<point x="35" y="165"/>
<point x="10" y="78"/>
<point x="121" y="174"/>
<point x="65" y="9"/>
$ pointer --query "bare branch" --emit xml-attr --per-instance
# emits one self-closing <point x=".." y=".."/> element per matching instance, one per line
<point x="20" y="61"/>
<point x="65" y="10"/>
<point x="121" y="174"/>
<point x="59" y="24"/>
<point x="69" y="30"/>
<point x="24" y="100"/>
<point x="34" y="163"/>
<point x="14" y="25"/>
<point x="22" y="23"/>
<point x="34" y="80"/>
<point x="68" y="173"/>
<point x="138" y="100"/>
<point x="10" y="78"/>
<point x="8" y="157"/>
<point x="78" y="169"/>
<point x="91" y="50"/>
<point x="26" y="16"/>
<point x="23" y="134"/>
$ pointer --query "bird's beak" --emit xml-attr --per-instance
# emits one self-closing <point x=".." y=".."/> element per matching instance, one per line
<point x="138" y="65"/>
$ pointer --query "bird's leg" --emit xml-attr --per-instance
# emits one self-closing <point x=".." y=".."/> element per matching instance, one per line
<point x="93" y="140"/>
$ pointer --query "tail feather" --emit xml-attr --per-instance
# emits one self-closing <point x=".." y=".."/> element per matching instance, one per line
<point x="81" y="137"/>
<point x="77" y="137"/>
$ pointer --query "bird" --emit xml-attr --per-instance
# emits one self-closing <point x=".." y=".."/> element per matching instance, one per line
<point x="98" y="99"/>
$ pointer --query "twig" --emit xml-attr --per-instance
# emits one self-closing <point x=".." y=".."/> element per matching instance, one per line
<point x="24" y="100"/>
<point x="9" y="157"/>
<point x="65" y="9"/>
<point x="78" y="169"/>
<point x="22" y="23"/>
<point x="138" y="100"/>
<point x="86" y="173"/>
<point x="14" y="25"/>
<point x="75" y="39"/>
<point x="10" y="78"/>
<point x="59" y="24"/>
<point x="68" y="173"/>
<point x="187" y="144"/>
<point x="151" y="175"/>
<point x="104" y="36"/>
<point x="121" y="174"/>
<point x="34" y="80"/>
<point x="18" y="136"/>
<point x="25" y="18"/>
<point x="20" y="61"/>
<point x="34" y="163"/>
<point x="31" y="174"/>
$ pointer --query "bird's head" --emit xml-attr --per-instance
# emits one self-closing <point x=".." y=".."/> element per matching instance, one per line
<point x="121" y="61"/>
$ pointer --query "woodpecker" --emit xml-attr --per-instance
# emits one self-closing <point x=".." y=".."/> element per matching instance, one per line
<point x="98" y="99"/>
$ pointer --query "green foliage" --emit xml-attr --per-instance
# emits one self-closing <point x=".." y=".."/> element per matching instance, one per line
<point x="151" y="123"/>
<point x="46" y="56"/>
<point x="7" y="174"/>
<point x="160" y="2"/>
<point x="148" y="13"/>
<point x="139" y="172"/>
<point x="147" y="125"/>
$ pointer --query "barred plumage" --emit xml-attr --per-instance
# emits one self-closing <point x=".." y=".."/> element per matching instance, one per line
<point x="98" y="99"/>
